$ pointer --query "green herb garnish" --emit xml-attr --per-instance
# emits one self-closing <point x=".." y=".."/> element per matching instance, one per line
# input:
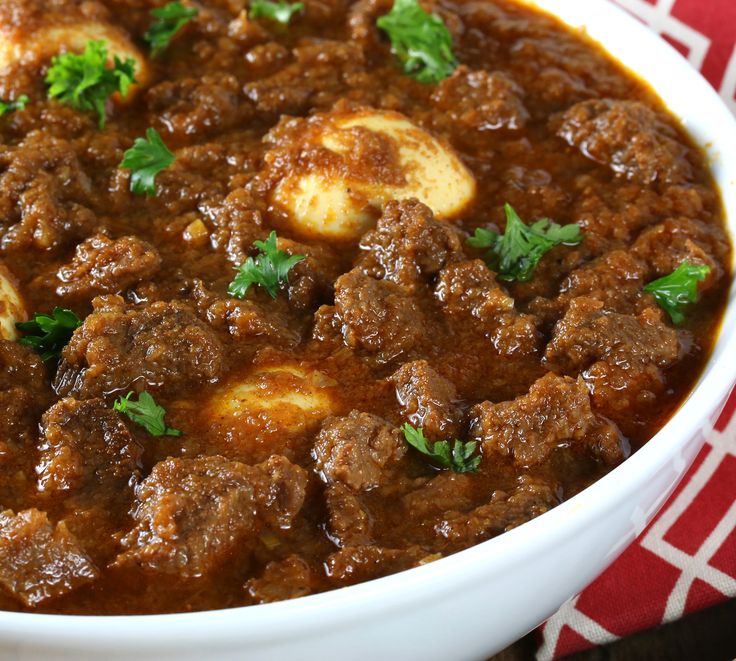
<point x="145" y="159"/>
<point x="269" y="270"/>
<point x="460" y="459"/>
<point x="515" y="254"/>
<point x="168" y="20"/>
<point x="12" y="106"/>
<point x="146" y="413"/>
<point x="420" y="41"/>
<point x="48" y="335"/>
<point x="84" y="81"/>
<point x="678" y="289"/>
<point x="279" y="12"/>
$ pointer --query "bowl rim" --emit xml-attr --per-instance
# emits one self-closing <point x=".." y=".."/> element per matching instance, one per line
<point x="709" y="125"/>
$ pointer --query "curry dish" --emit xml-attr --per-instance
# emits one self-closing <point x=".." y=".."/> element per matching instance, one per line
<point x="297" y="295"/>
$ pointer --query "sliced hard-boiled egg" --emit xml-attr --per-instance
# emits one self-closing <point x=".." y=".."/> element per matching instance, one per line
<point x="12" y="308"/>
<point x="271" y="402"/>
<point x="34" y="47"/>
<point x="352" y="162"/>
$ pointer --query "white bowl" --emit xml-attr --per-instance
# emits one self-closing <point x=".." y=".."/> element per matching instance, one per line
<point x="471" y="604"/>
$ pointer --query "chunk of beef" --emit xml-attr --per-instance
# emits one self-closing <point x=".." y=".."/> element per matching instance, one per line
<point x="555" y="413"/>
<point x="310" y="281"/>
<point x="282" y="579"/>
<point x="358" y="450"/>
<point x="447" y="491"/>
<point x="320" y="71"/>
<point x="628" y="137"/>
<point x="194" y="107"/>
<point x="157" y="345"/>
<point x="427" y="399"/>
<point x="667" y="245"/>
<point x="86" y="450"/>
<point x="238" y="223"/>
<point x="354" y="564"/>
<point x="408" y="245"/>
<point x="615" y="279"/>
<point x="377" y="316"/>
<point x="44" y="194"/>
<point x="478" y="100"/>
<point x="530" y="498"/>
<point x="23" y="393"/>
<point x="39" y="562"/>
<point x="589" y="332"/>
<point x="469" y="293"/>
<point x="245" y="319"/>
<point x="621" y="357"/>
<point x="105" y="266"/>
<point x="194" y="513"/>
<point x="349" y="522"/>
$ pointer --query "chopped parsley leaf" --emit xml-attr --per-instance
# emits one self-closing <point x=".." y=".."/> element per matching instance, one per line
<point x="678" y="289"/>
<point x="279" y="12"/>
<point x="269" y="270"/>
<point x="12" y="106"/>
<point x="48" y="335"/>
<point x="460" y="459"/>
<point x="420" y="41"/>
<point x="146" y="413"/>
<point x="145" y="159"/>
<point x="168" y="20"/>
<point x="83" y="80"/>
<point x="515" y="254"/>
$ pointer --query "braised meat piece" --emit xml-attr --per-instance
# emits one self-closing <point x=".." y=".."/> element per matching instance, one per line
<point x="283" y="579"/>
<point x="158" y="345"/>
<point x="628" y="137"/>
<point x="105" y="266"/>
<point x="589" y="332"/>
<point x="530" y="498"/>
<point x="377" y="316"/>
<point x="470" y="295"/>
<point x="23" y="393"/>
<point x="87" y="451"/>
<point x="478" y="100"/>
<point x="665" y="246"/>
<point x="427" y="399"/>
<point x="44" y="194"/>
<point x="354" y="564"/>
<point x="195" y="107"/>
<point x="408" y="245"/>
<point x="349" y="522"/>
<point x="39" y="561"/>
<point x="555" y="414"/>
<point x="357" y="450"/>
<point x="193" y="514"/>
<point x="319" y="69"/>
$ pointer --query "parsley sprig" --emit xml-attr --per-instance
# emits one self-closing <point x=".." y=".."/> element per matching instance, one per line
<point x="84" y="80"/>
<point x="146" y="413"/>
<point x="279" y="12"/>
<point x="459" y="459"/>
<point x="49" y="334"/>
<point x="515" y="254"/>
<point x="145" y="159"/>
<point x="12" y="106"/>
<point x="269" y="270"/>
<point x="420" y="41"/>
<point x="678" y="289"/>
<point x="167" y="21"/>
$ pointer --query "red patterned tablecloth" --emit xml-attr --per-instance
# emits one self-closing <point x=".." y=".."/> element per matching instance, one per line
<point x="686" y="559"/>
